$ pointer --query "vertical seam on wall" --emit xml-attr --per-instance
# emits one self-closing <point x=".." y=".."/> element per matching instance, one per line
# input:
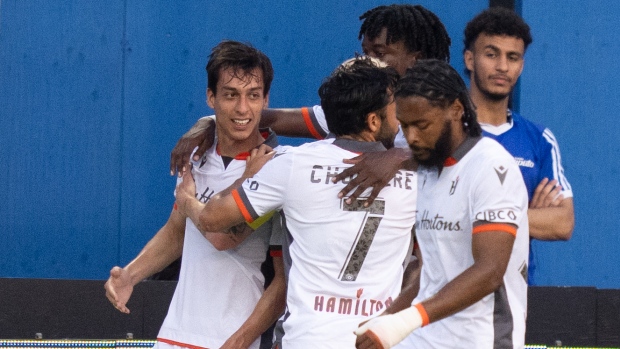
<point x="122" y="133"/>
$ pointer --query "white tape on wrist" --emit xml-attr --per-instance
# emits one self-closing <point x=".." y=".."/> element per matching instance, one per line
<point x="392" y="329"/>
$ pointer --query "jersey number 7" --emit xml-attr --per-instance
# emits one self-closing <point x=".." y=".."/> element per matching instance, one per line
<point x="372" y="217"/>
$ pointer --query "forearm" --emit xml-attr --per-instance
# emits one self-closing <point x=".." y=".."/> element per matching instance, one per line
<point x="286" y="122"/>
<point x="268" y="309"/>
<point x="552" y="223"/>
<point x="478" y="281"/>
<point x="410" y="288"/>
<point x="164" y="248"/>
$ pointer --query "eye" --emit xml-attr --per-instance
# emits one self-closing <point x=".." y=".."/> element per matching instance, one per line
<point x="255" y="95"/>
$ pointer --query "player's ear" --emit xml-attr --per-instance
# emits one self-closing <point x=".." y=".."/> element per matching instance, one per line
<point x="266" y="101"/>
<point x="210" y="98"/>
<point x="468" y="58"/>
<point x="373" y="122"/>
<point x="456" y="110"/>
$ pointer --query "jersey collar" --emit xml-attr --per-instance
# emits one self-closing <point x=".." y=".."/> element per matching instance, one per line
<point x="460" y="152"/>
<point x="358" y="146"/>
<point x="270" y="139"/>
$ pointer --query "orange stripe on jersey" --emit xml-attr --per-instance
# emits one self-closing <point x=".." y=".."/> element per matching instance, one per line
<point x="423" y="314"/>
<point x="306" y="114"/>
<point x="185" y="345"/>
<point x="242" y="208"/>
<point x="508" y="228"/>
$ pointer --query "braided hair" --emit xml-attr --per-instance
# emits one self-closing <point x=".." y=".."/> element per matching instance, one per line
<point x="421" y="29"/>
<point x="441" y="85"/>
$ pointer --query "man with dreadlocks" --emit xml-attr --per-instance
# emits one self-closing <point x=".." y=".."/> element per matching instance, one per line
<point x="495" y="43"/>
<point x="471" y="225"/>
<point x="396" y="34"/>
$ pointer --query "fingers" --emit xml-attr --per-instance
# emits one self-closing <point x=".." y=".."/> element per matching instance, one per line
<point x="349" y="172"/>
<point x="354" y="160"/>
<point x="202" y="148"/>
<point x="110" y="290"/>
<point x="368" y="340"/>
<point x="546" y="194"/>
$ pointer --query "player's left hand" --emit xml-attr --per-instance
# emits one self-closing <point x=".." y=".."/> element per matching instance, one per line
<point x="371" y="170"/>
<point x="547" y="194"/>
<point x="257" y="159"/>
<point x="185" y="191"/>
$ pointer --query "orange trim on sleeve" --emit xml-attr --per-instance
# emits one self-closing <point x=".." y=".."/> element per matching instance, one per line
<point x="510" y="229"/>
<point x="306" y="114"/>
<point x="423" y="313"/>
<point x="242" y="208"/>
<point x="180" y="344"/>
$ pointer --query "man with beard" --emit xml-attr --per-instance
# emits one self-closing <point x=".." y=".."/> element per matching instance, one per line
<point x="495" y="43"/>
<point x="471" y="225"/>
<point x="347" y="258"/>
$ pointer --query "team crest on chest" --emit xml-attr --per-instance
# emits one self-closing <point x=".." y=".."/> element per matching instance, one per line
<point x="454" y="184"/>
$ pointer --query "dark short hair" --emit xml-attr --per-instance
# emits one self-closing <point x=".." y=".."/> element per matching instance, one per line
<point x="354" y="90"/>
<point x="497" y="21"/>
<point x="421" y="29"/>
<point x="441" y="85"/>
<point x="242" y="58"/>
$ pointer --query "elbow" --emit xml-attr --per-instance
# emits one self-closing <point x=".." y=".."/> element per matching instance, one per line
<point x="565" y="229"/>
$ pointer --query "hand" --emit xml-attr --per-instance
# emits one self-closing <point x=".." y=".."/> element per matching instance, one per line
<point x="384" y="332"/>
<point x="185" y="191"/>
<point x="257" y="159"/>
<point x="118" y="288"/>
<point x="235" y="342"/>
<point x="547" y="194"/>
<point x="201" y="135"/>
<point x="373" y="170"/>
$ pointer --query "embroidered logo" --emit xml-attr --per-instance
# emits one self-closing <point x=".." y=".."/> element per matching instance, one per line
<point x="454" y="184"/>
<point x="501" y="173"/>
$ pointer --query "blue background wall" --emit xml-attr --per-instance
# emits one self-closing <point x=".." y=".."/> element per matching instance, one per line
<point x="94" y="95"/>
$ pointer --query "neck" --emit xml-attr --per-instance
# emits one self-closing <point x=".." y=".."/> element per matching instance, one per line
<point x="488" y="110"/>
<point x="230" y="147"/>
<point x="364" y="136"/>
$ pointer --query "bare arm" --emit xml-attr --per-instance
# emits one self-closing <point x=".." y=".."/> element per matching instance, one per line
<point x="285" y="122"/>
<point x="221" y="212"/>
<point x="551" y="216"/>
<point x="164" y="248"/>
<point x="373" y="170"/>
<point x="269" y="307"/>
<point x="491" y="251"/>
<point x="201" y="135"/>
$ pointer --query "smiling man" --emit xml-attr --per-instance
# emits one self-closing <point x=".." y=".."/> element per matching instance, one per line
<point x="220" y="300"/>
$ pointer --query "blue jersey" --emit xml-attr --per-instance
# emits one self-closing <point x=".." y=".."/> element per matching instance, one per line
<point x="536" y="151"/>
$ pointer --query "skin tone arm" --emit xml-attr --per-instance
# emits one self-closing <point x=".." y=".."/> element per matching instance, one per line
<point x="285" y="122"/>
<point x="221" y="212"/>
<point x="551" y="216"/>
<point x="491" y="251"/>
<point x="164" y="248"/>
<point x="269" y="307"/>
<point x="373" y="170"/>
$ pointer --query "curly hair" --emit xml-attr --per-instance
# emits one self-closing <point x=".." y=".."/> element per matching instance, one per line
<point x="421" y="30"/>
<point x="354" y="90"/>
<point x="497" y="21"/>
<point x="441" y="85"/>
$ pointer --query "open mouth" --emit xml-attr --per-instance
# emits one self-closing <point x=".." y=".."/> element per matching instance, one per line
<point x="241" y="122"/>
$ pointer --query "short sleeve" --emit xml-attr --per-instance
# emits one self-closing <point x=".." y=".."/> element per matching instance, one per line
<point x="552" y="164"/>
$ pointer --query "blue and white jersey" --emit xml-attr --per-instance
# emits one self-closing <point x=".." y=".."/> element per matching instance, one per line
<point x="535" y="149"/>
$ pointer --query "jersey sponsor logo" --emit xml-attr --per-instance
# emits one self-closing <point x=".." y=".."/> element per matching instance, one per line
<point x="524" y="162"/>
<point x="323" y="174"/>
<point x="501" y="173"/>
<point x="496" y="215"/>
<point x="437" y="222"/>
<point x="350" y="306"/>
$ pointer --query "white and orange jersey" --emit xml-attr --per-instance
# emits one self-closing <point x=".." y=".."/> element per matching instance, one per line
<point x="479" y="190"/>
<point x="347" y="259"/>
<point x="217" y="290"/>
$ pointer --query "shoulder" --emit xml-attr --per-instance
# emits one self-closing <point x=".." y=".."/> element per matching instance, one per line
<point x="527" y="124"/>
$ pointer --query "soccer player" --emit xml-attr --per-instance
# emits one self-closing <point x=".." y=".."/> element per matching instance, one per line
<point x="347" y="259"/>
<point x="471" y="225"/>
<point x="220" y="301"/>
<point x="495" y="45"/>
<point x="396" y="34"/>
